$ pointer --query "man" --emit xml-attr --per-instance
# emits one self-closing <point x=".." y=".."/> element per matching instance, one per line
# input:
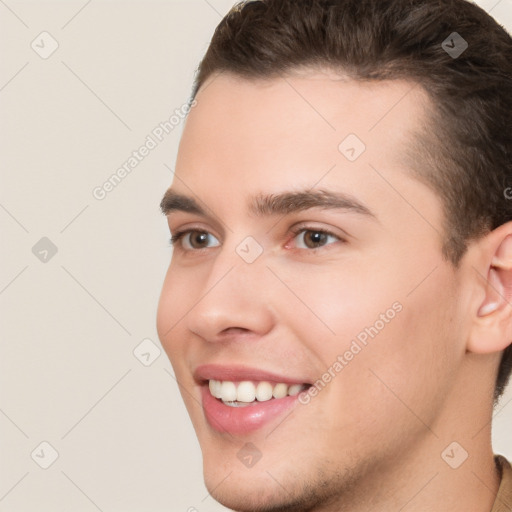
<point x="337" y="308"/>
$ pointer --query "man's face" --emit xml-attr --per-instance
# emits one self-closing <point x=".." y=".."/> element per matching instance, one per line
<point x="367" y="312"/>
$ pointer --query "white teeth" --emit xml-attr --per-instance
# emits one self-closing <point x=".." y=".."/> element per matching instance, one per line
<point x="228" y="391"/>
<point x="280" y="391"/>
<point x="264" y="391"/>
<point x="215" y="388"/>
<point x="295" y="389"/>
<point x="246" y="392"/>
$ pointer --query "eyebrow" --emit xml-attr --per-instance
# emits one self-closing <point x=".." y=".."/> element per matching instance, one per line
<point x="266" y="205"/>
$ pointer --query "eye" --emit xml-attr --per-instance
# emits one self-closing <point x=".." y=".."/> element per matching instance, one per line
<point x="195" y="242"/>
<point x="313" y="238"/>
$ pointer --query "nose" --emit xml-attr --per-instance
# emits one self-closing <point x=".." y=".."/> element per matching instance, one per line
<point x="235" y="299"/>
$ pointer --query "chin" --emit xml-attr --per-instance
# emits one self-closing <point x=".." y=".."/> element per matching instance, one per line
<point x="270" y="486"/>
<point x="257" y="494"/>
<point x="245" y="489"/>
<point x="252" y="499"/>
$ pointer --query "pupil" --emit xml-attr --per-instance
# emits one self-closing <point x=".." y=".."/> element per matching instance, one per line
<point x="317" y="237"/>
<point x="200" y="236"/>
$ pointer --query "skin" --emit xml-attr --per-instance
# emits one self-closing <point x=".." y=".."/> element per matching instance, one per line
<point x="373" y="437"/>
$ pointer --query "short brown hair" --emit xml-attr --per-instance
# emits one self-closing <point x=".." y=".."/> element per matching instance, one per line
<point x="466" y="146"/>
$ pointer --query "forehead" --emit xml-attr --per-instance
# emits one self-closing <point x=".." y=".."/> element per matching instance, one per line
<point x="306" y="112"/>
<point x="311" y="94"/>
<point x="303" y="130"/>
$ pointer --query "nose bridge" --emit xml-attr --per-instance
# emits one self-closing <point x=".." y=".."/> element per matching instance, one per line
<point x="242" y="260"/>
<point x="234" y="293"/>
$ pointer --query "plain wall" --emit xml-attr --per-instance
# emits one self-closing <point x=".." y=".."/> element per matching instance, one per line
<point x="70" y="321"/>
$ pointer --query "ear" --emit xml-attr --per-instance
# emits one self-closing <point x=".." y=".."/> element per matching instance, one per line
<point x="491" y="330"/>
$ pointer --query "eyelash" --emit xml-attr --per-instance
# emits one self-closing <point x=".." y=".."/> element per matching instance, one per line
<point x="295" y="231"/>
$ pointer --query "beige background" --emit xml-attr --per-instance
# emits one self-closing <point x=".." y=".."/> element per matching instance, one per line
<point x="70" y="323"/>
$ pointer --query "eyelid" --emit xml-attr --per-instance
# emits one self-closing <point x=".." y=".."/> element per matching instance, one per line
<point x="308" y="226"/>
<point x="191" y="227"/>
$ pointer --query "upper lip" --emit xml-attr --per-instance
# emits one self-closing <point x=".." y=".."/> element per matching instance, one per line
<point x="237" y="373"/>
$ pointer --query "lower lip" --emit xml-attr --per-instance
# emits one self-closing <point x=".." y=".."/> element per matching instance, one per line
<point x="242" y="420"/>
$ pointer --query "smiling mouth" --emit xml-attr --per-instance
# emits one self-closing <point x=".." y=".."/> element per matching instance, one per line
<point x="247" y="393"/>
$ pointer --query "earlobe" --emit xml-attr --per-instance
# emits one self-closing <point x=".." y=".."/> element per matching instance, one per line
<point x="488" y="308"/>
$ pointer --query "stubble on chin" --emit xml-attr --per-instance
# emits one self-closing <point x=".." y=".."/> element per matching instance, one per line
<point x="326" y="491"/>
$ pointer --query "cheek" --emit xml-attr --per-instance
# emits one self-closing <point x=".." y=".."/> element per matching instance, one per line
<point x="335" y="305"/>
<point x="401" y="372"/>
<point x="396" y="347"/>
